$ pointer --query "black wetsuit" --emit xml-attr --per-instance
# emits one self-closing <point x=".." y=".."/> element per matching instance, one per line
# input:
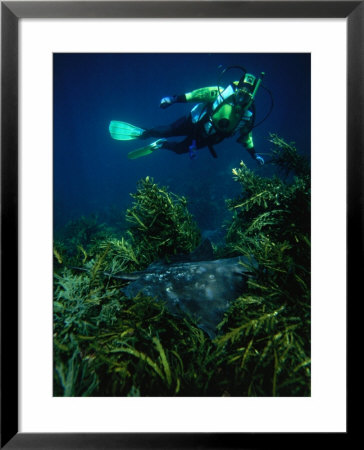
<point x="194" y="132"/>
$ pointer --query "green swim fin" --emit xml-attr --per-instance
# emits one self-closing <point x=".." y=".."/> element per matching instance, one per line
<point x="147" y="150"/>
<point x="123" y="131"/>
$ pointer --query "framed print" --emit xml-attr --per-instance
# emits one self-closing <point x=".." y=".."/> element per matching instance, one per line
<point x="158" y="160"/>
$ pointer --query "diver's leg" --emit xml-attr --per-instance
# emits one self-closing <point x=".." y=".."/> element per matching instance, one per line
<point x="185" y="145"/>
<point x="178" y="147"/>
<point x="181" y="127"/>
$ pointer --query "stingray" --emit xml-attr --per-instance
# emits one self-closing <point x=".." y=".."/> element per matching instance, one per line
<point x="202" y="289"/>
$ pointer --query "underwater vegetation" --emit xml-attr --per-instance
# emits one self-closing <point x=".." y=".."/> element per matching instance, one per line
<point x="269" y="327"/>
<point x="160" y="224"/>
<point x="106" y="344"/>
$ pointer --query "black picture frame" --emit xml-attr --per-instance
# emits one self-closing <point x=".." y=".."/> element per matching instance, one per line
<point x="11" y="12"/>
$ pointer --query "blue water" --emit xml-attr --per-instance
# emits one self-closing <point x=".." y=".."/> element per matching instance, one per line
<point x="92" y="173"/>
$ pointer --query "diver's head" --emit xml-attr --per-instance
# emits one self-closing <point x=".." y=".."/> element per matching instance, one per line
<point x="246" y="90"/>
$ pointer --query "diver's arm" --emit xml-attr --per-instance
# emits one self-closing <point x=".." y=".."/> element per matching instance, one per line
<point x="205" y="95"/>
<point x="247" y="141"/>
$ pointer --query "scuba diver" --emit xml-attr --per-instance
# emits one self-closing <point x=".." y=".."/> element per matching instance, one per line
<point x="219" y="113"/>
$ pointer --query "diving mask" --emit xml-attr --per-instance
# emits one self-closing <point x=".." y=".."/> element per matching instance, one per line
<point x="247" y="89"/>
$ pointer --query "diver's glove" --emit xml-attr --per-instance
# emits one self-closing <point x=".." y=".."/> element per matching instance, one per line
<point x="259" y="160"/>
<point x="168" y="101"/>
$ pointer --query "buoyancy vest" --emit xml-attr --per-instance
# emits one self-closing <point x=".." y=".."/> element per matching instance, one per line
<point x="223" y="116"/>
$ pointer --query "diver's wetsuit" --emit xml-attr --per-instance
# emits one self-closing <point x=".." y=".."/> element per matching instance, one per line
<point x="195" y="134"/>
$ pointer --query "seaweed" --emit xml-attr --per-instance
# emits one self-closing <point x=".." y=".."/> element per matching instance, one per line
<point x="77" y="242"/>
<point x="106" y="344"/>
<point x="285" y="156"/>
<point x="160" y="224"/>
<point x="268" y="328"/>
